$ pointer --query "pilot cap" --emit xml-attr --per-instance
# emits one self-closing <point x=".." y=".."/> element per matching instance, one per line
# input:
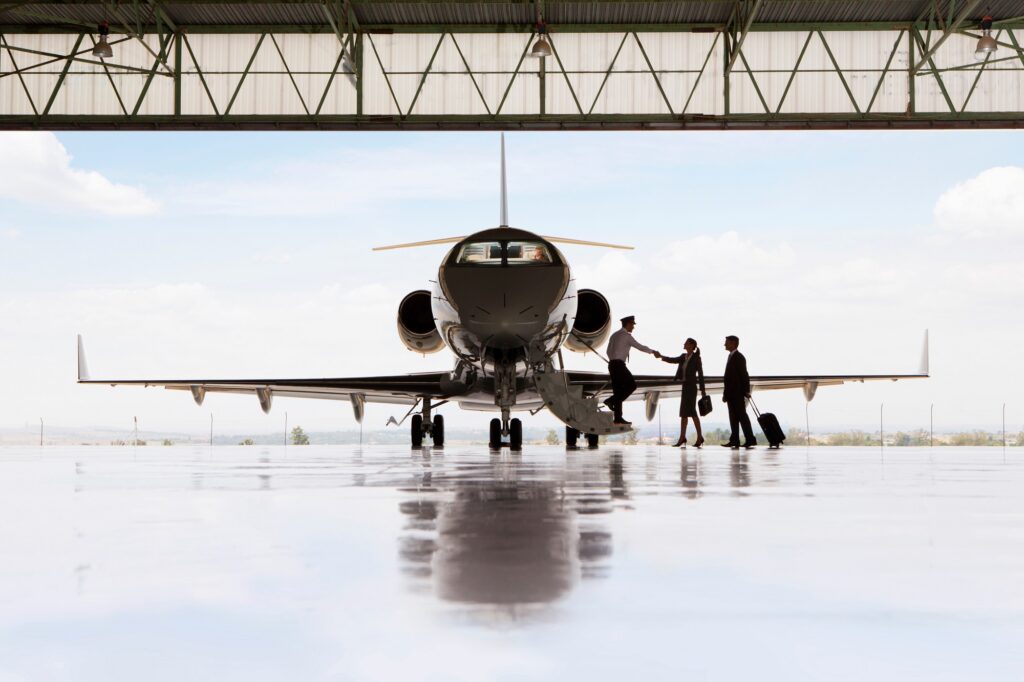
<point x="626" y="320"/>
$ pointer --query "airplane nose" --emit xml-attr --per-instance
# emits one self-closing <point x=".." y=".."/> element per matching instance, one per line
<point x="505" y="307"/>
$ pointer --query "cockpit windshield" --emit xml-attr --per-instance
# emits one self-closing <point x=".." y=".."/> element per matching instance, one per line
<point x="480" y="253"/>
<point x="528" y="253"/>
<point x="515" y="253"/>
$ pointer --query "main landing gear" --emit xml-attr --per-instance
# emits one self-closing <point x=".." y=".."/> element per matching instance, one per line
<point x="422" y="425"/>
<point x="515" y="435"/>
<point x="572" y="437"/>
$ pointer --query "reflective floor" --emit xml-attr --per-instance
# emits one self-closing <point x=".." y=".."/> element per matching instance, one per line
<point x="338" y="563"/>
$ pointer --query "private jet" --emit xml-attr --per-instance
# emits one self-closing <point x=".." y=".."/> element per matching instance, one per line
<point x="505" y="304"/>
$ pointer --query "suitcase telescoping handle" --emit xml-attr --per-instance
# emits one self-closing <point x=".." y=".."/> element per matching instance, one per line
<point x="757" y="412"/>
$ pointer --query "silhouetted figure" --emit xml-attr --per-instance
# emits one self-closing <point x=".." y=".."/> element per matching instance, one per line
<point x="623" y="383"/>
<point x="735" y="392"/>
<point x="691" y="374"/>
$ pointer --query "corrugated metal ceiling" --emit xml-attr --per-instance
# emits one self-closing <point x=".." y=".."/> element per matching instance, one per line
<point x="420" y="12"/>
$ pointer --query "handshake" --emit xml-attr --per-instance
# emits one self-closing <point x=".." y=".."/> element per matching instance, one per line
<point x="657" y="355"/>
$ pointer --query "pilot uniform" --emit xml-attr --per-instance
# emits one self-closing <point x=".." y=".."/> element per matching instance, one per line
<point x="623" y="383"/>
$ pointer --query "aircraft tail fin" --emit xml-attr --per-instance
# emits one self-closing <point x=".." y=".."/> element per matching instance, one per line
<point x="504" y="186"/>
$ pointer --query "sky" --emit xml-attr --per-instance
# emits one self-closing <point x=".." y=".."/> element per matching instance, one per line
<point x="223" y="255"/>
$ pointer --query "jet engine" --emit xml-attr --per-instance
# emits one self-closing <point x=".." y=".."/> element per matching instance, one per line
<point x="416" y="325"/>
<point x="593" y="321"/>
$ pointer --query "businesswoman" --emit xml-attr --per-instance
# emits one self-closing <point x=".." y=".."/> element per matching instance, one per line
<point x="691" y="374"/>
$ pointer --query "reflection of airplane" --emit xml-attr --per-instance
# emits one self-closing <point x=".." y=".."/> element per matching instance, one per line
<point x="509" y="534"/>
<point x="505" y="303"/>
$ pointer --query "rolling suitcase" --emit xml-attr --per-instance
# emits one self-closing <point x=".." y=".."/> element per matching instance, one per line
<point x="769" y="424"/>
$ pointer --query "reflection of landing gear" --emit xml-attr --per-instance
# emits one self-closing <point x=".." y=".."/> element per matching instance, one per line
<point x="495" y="435"/>
<point x="572" y="436"/>
<point x="593" y="440"/>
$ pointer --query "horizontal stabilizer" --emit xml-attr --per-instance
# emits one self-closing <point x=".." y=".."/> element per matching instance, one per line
<point x="584" y="242"/>
<point x="413" y="245"/>
<point x="453" y="240"/>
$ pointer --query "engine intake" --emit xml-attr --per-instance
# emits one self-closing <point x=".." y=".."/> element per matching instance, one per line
<point x="416" y="325"/>
<point x="593" y="321"/>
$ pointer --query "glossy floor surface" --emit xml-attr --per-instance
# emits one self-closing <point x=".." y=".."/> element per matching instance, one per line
<point x="641" y="563"/>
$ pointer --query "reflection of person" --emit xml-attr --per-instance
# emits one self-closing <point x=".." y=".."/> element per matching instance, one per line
<point x="735" y="391"/>
<point x="623" y="383"/>
<point x="690" y="373"/>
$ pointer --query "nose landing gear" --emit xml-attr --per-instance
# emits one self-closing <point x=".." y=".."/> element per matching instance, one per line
<point x="422" y="425"/>
<point x="514" y="432"/>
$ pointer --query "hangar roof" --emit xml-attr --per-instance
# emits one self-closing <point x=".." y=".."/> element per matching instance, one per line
<point x="425" y="64"/>
<point x="413" y="14"/>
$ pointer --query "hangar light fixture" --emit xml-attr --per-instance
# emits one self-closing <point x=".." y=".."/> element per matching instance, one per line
<point x="541" y="48"/>
<point x="102" y="49"/>
<point x="986" y="43"/>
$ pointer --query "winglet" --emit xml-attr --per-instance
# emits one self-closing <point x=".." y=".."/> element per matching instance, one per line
<point x="923" y="371"/>
<point x="83" y="368"/>
<point x="504" y="186"/>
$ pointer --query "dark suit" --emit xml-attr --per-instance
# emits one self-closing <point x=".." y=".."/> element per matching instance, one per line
<point x="736" y="388"/>
<point x="691" y="375"/>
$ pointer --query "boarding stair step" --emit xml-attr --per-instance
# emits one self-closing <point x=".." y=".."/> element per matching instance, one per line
<point x="568" y="403"/>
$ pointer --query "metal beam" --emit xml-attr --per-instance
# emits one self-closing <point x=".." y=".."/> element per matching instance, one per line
<point x="385" y="28"/>
<point x="951" y="28"/>
<point x="945" y="120"/>
<point x="740" y="38"/>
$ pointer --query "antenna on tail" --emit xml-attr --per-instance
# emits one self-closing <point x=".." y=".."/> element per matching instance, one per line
<point x="504" y="186"/>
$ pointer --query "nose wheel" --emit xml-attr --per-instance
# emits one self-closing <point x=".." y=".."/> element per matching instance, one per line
<point x="422" y="425"/>
<point x="515" y="435"/>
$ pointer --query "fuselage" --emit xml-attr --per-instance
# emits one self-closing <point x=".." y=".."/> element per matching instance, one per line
<point x="503" y="297"/>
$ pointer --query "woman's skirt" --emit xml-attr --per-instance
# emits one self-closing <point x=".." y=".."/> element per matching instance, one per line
<point x="688" y="402"/>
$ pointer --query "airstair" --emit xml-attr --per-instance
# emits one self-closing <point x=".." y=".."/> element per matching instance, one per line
<point x="568" y="403"/>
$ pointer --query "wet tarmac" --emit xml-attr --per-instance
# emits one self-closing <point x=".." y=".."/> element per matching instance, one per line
<point x="340" y="563"/>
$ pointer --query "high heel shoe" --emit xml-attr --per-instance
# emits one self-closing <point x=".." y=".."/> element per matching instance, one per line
<point x="679" y="443"/>
<point x="699" y="442"/>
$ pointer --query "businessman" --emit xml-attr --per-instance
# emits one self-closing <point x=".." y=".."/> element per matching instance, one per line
<point x="736" y="390"/>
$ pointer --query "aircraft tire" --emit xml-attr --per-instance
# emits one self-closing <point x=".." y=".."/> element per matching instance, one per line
<point x="437" y="432"/>
<point x="416" y="430"/>
<point x="495" y="435"/>
<point x="593" y="440"/>
<point x="515" y="435"/>
<point x="572" y="436"/>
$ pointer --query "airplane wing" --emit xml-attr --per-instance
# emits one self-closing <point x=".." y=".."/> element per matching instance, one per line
<point x="404" y="389"/>
<point x="598" y="383"/>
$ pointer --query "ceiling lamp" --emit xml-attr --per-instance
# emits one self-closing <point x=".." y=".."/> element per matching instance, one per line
<point x="102" y="49"/>
<point x="541" y="48"/>
<point x="986" y="43"/>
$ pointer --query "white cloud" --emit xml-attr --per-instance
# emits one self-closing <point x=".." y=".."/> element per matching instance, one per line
<point x="989" y="204"/>
<point x="10" y="233"/>
<point x="345" y="180"/>
<point x="727" y="253"/>
<point x="36" y="168"/>
<point x="612" y="270"/>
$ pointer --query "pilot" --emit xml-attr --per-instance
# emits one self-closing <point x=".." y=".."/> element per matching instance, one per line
<point x="623" y="383"/>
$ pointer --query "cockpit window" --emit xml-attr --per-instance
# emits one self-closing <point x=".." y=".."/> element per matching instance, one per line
<point x="480" y="253"/>
<point x="528" y="253"/>
<point x="516" y="253"/>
